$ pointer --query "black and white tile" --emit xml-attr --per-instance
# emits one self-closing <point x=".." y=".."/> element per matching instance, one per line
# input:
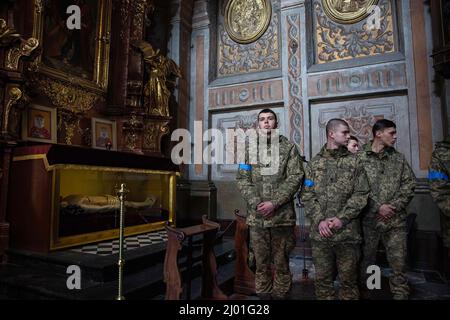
<point x="132" y="242"/>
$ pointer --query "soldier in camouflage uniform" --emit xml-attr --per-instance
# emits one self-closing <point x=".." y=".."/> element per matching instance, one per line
<point x="335" y="192"/>
<point x="439" y="177"/>
<point x="392" y="184"/>
<point x="270" y="211"/>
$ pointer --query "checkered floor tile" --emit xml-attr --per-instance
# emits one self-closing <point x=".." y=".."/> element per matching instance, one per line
<point x="132" y="242"/>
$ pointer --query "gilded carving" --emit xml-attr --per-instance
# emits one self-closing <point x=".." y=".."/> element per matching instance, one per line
<point x="15" y="94"/>
<point x="69" y="122"/>
<point x="138" y="19"/>
<point x="67" y="96"/>
<point x="14" y="54"/>
<point x="161" y="72"/>
<point x="247" y="20"/>
<point x="339" y="42"/>
<point x="348" y="11"/>
<point x="7" y="35"/>
<point x="38" y="5"/>
<point x="261" y="55"/>
<point x="124" y="15"/>
<point x="153" y="132"/>
<point x="133" y="130"/>
<point x="134" y="94"/>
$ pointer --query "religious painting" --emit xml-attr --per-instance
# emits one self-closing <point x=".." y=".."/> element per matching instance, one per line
<point x="104" y="134"/>
<point x="348" y="11"/>
<point x="80" y="53"/>
<point x="247" y="20"/>
<point x="39" y="124"/>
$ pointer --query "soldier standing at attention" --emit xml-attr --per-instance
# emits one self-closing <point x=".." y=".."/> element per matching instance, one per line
<point x="270" y="210"/>
<point x="392" y="184"/>
<point x="439" y="177"/>
<point x="335" y="192"/>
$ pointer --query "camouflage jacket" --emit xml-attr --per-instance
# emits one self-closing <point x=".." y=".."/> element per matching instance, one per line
<point x="278" y="188"/>
<point x="391" y="181"/>
<point x="335" y="186"/>
<point x="439" y="177"/>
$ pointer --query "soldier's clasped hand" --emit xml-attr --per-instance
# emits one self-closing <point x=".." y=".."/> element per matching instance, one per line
<point x="334" y="223"/>
<point x="385" y="212"/>
<point x="266" y="208"/>
<point x="324" y="229"/>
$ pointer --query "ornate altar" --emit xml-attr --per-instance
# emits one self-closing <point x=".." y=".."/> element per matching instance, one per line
<point x="63" y="196"/>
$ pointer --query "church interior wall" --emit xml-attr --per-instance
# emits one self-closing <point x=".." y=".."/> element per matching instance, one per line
<point x="306" y="66"/>
<point x="371" y="79"/>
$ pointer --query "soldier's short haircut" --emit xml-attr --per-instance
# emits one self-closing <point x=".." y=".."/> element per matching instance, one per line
<point x="381" y="125"/>
<point x="334" y="123"/>
<point x="268" y="111"/>
<point x="353" y="138"/>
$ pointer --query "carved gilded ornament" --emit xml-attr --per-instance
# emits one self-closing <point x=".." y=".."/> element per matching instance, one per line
<point x="153" y="132"/>
<point x="132" y="130"/>
<point x="124" y="15"/>
<point x="348" y="11"/>
<point x="337" y="42"/>
<point x="15" y="94"/>
<point x="7" y="35"/>
<point x="14" y="54"/>
<point x="261" y="55"/>
<point x="247" y="20"/>
<point x="138" y="19"/>
<point x="67" y="96"/>
<point x="162" y="71"/>
<point x="68" y="122"/>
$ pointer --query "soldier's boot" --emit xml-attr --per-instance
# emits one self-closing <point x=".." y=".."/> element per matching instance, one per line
<point x="282" y="285"/>
<point x="281" y="296"/>
<point x="264" y="296"/>
<point x="324" y="291"/>
<point x="400" y="297"/>
<point x="399" y="286"/>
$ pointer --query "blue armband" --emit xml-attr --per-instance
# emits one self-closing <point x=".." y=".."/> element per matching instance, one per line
<point x="309" y="183"/>
<point x="436" y="175"/>
<point x="245" y="167"/>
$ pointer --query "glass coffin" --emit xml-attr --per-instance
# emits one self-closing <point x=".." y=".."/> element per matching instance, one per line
<point x="63" y="196"/>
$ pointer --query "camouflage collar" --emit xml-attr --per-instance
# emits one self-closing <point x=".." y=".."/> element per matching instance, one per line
<point x="367" y="148"/>
<point x="281" y="139"/>
<point x="334" y="153"/>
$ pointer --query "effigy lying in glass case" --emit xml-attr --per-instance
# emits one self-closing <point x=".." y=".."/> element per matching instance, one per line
<point x="72" y="197"/>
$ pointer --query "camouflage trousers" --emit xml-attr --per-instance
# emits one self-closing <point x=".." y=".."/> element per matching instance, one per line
<point x="271" y="247"/>
<point x="331" y="257"/>
<point x="394" y="242"/>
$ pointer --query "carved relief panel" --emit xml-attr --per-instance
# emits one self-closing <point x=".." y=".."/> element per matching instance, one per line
<point x="263" y="54"/>
<point x="349" y="29"/>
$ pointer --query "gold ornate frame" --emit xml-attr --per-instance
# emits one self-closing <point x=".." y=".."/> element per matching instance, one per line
<point x="348" y="17"/>
<point x="99" y="82"/>
<point x="57" y="242"/>
<point x="94" y="123"/>
<point x="231" y="8"/>
<point x="52" y="125"/>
